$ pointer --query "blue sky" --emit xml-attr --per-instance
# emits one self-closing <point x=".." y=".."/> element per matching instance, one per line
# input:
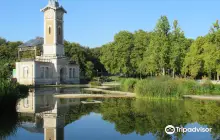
<point x="93" y="23"/>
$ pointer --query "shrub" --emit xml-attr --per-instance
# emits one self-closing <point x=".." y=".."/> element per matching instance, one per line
<point x="95" y="83"/>
<point x="207" y="87"/>
<point x="163" y="87"/>
<point x="128" y="84"/>
<point x="189" y="86"/>
<point x="22" y="90"/>
<point x="168" y="87"/>
<point x="114" y="78"/>
<point x="8" y="88"/>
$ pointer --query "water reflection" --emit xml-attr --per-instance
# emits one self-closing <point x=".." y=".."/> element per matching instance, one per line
<point x="46" y="112"/>
<point x="136" y="119"/>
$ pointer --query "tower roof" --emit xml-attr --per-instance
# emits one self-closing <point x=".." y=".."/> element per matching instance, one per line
<point x="53" y="4"/>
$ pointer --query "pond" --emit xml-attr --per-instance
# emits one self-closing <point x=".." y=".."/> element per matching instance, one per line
<point x="40" y="116"/>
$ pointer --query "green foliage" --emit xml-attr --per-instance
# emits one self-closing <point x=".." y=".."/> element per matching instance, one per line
<point x="2" y="41"/>
<point x="123" y="46"/>
<point x="128" y="84"/>
<point x="159" y="87"/>
<point x="141" y="43"/>
<point x="6" y="69"/>
<point x="89" y="67"/>
<point x="108" y="58"/>
<point x="165" y="86"/>
<point x="116" y="56"/>
<point x="87" y="59"/>
<point x="146" y="53"/>
<point x="143" y="116"/>
<point x="95" y="83"/>
<point x="12" y="89"/>
<point x="30" y="54"/>
<point x="203" y="56"/>
<point x="165" y="51"/>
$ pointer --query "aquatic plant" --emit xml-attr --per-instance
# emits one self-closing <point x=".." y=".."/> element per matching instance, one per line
<point x="128" y="84"/>
<point x="95" y="83"/>
<point x="164" y="86"/>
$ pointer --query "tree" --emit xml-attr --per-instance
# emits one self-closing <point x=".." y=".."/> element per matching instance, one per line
<point x="193" y="62"/>
<point x="209" y="58"/>
<point x="178" y="48"/>
<point x="89" y="67"/>
<point x="161" y="42"/>
<point x="150" y="65"/>
<point x="141" y="43"/>
<point x="2" y="41"/>
<point x="123" y="42"/>
<point x="108" y="58"/>
<point x="95" y="58"/>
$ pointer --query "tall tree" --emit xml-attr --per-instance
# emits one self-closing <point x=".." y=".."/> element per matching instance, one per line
<point x="141" y="42"/>
<point x="178" y="48"/>
<point x="161" y="42"/>
<point x="193" y="62"/>
<point x="108" y="58"/>
<point x="123" y="46"/>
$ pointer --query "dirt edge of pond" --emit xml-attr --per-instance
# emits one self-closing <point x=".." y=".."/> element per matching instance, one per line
<point x="203" y="97"/>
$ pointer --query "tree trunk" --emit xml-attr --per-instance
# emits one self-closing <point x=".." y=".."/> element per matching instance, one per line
<point x="163" y="71"/>
<point x="217" y="76"/>
<point x="210" y="75"/>
<point x="173" y="73"/>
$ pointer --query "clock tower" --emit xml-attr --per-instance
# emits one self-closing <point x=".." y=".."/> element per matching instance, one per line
<point x="53" y="29"/>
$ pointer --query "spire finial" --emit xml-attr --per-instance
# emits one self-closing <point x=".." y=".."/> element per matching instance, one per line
<point x="53" y="3"/>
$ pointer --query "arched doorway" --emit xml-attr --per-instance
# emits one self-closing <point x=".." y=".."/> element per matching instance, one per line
<point x="62" y="75"/>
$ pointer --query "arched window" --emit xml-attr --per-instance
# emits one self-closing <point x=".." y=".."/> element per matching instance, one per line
<point x="42" y="72"/>
<point x="74" y="73"/>
<point x="26" y="103"/>
<point x="46" y="72"/>
<point x="59" y="30"/>
<point x="25" y="72"/>
<point x="70" y="73"/>
<point x="49" y="30"/>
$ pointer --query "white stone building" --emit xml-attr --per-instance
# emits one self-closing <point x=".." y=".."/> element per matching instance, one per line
<point x="52" y="67"/>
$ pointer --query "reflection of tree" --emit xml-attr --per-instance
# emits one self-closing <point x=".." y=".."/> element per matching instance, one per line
<point x="120" y="113"/>
<point x="77" y="111"/>
<point x="8" y="123"/>
<point x="140" y="116"/>
<point x="152" y="116"/>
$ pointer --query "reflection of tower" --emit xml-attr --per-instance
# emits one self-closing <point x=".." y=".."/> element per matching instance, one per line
<point x="47" y="111"/>
<point x="53" y="127"/>
<point x="36" y="102"/>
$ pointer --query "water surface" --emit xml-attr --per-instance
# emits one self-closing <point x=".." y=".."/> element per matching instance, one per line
<point x="40" y="116"/>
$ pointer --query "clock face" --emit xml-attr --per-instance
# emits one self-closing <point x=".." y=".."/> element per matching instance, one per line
<point x="49" y="14"/>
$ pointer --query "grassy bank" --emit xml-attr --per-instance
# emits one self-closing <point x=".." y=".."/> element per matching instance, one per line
<point x="162" y="87"/>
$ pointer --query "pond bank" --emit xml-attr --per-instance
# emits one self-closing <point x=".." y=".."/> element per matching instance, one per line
<point x="107" y="91"/>
<point x="203" y="97"/>
<point x="94" y="96"/>
<point x="62" y="86"/>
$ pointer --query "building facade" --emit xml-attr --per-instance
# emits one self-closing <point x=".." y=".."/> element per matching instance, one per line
<point x="52" y="67"/>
